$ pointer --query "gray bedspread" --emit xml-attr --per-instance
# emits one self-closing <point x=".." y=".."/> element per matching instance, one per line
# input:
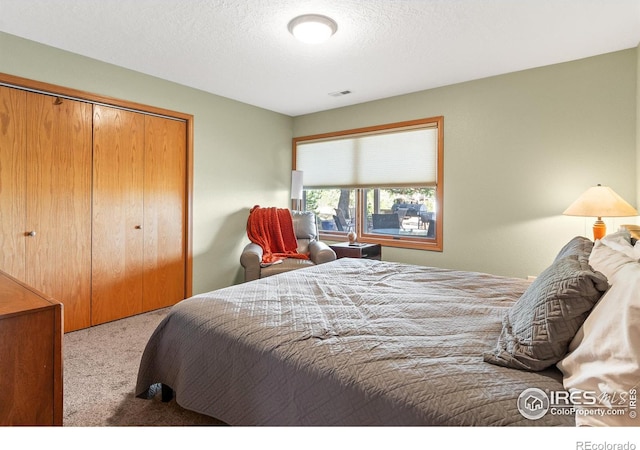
<point x="351" y="342"/>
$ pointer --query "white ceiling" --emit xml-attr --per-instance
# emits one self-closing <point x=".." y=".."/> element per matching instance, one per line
<point x="241" y="49"/>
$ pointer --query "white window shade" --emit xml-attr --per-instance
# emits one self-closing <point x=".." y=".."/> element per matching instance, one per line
<point x="400" y="158"/>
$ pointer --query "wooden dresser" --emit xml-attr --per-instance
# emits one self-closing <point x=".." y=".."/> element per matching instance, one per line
<point x="31" y="332"/>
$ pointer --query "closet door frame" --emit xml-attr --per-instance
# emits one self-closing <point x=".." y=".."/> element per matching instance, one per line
<point x="75" y="94"/>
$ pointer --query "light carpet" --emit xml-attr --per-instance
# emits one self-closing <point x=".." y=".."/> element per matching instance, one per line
<point x="100" y="370"/>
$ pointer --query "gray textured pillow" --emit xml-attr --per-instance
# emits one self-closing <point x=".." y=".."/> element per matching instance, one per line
<point x="538" y="328"/>
<point x="578" y="246"/>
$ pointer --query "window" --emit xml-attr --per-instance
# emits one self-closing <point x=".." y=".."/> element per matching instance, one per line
<point x="383" y="182"/>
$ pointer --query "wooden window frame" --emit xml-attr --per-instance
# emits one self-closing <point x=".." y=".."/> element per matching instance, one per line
<point x="421" y="243"/>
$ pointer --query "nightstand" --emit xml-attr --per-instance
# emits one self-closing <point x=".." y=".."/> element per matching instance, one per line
<point x="369" y="251"/>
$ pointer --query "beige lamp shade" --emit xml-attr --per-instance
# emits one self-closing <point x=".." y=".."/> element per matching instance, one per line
<point x="600" y="201"/>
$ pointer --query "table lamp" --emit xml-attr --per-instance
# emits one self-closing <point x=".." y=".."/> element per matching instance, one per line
<point x="600" y="201"/>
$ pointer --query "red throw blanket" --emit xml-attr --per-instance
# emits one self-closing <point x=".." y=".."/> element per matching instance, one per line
<point x="272" y="229"/>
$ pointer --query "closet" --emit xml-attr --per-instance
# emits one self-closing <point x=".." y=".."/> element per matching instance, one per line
<point x="94" y="199"/>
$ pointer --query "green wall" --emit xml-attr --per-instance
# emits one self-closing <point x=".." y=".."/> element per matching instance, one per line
<point x="519" y="148"/>
<point x="242" y="154"/>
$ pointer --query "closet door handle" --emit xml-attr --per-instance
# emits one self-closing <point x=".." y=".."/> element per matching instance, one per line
<point x="138" y="227"/>
<point x="31" y="233"/>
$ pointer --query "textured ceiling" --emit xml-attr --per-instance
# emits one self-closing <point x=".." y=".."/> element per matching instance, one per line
<point x="241" y="49"/>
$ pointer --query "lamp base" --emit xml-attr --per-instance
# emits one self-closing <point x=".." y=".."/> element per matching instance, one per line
<point x="296" y="204"/>
<point x="599" y="229"/>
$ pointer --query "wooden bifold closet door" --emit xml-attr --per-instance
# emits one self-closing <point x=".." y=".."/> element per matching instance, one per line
<point x="45" y="184"/>
<point x="165" y="192"/>
<point x="138" y="213"/>
<point x="58" y="242"/>
<point x="94" y="201"/>
<point x="118" y="233"/>
<point x="13" y="181"/>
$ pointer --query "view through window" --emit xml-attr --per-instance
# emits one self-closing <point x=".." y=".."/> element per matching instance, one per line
<point x="384" y="183"/>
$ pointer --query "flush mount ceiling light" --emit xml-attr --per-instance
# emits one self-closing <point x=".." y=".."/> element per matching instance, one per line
<point x="312" y="28"/>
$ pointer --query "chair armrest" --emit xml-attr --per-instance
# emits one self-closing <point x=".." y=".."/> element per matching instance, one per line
<point x="250" y="259"/>
<point x="320" y="253"/>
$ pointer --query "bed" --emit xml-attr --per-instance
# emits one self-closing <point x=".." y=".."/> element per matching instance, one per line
<point x="359" y="342"/>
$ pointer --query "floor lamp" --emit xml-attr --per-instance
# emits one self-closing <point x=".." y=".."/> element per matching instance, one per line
<point x="296" y="190"/>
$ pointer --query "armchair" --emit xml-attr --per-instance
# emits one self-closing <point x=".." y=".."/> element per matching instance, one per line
<point x="304" y="225"/>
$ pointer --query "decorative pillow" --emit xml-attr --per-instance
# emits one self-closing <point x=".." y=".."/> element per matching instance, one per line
<point x="606" y="260"/>
<point x="621" y="242"/>
<point x="604" y="357"/>
<point x="304" y="224"/>
<point x="578" y="246"/>
<point x="538" y="328"/>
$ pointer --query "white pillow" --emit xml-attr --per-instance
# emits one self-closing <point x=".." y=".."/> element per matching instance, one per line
<point x="606" y="260"/>
<point x="604" y="356"/>
<point x="621" y="241"/>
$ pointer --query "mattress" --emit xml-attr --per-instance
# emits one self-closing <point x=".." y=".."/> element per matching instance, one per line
<point x="354" y="342"/>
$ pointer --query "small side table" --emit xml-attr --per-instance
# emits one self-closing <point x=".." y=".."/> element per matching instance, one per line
<point x="369" y="251"/>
